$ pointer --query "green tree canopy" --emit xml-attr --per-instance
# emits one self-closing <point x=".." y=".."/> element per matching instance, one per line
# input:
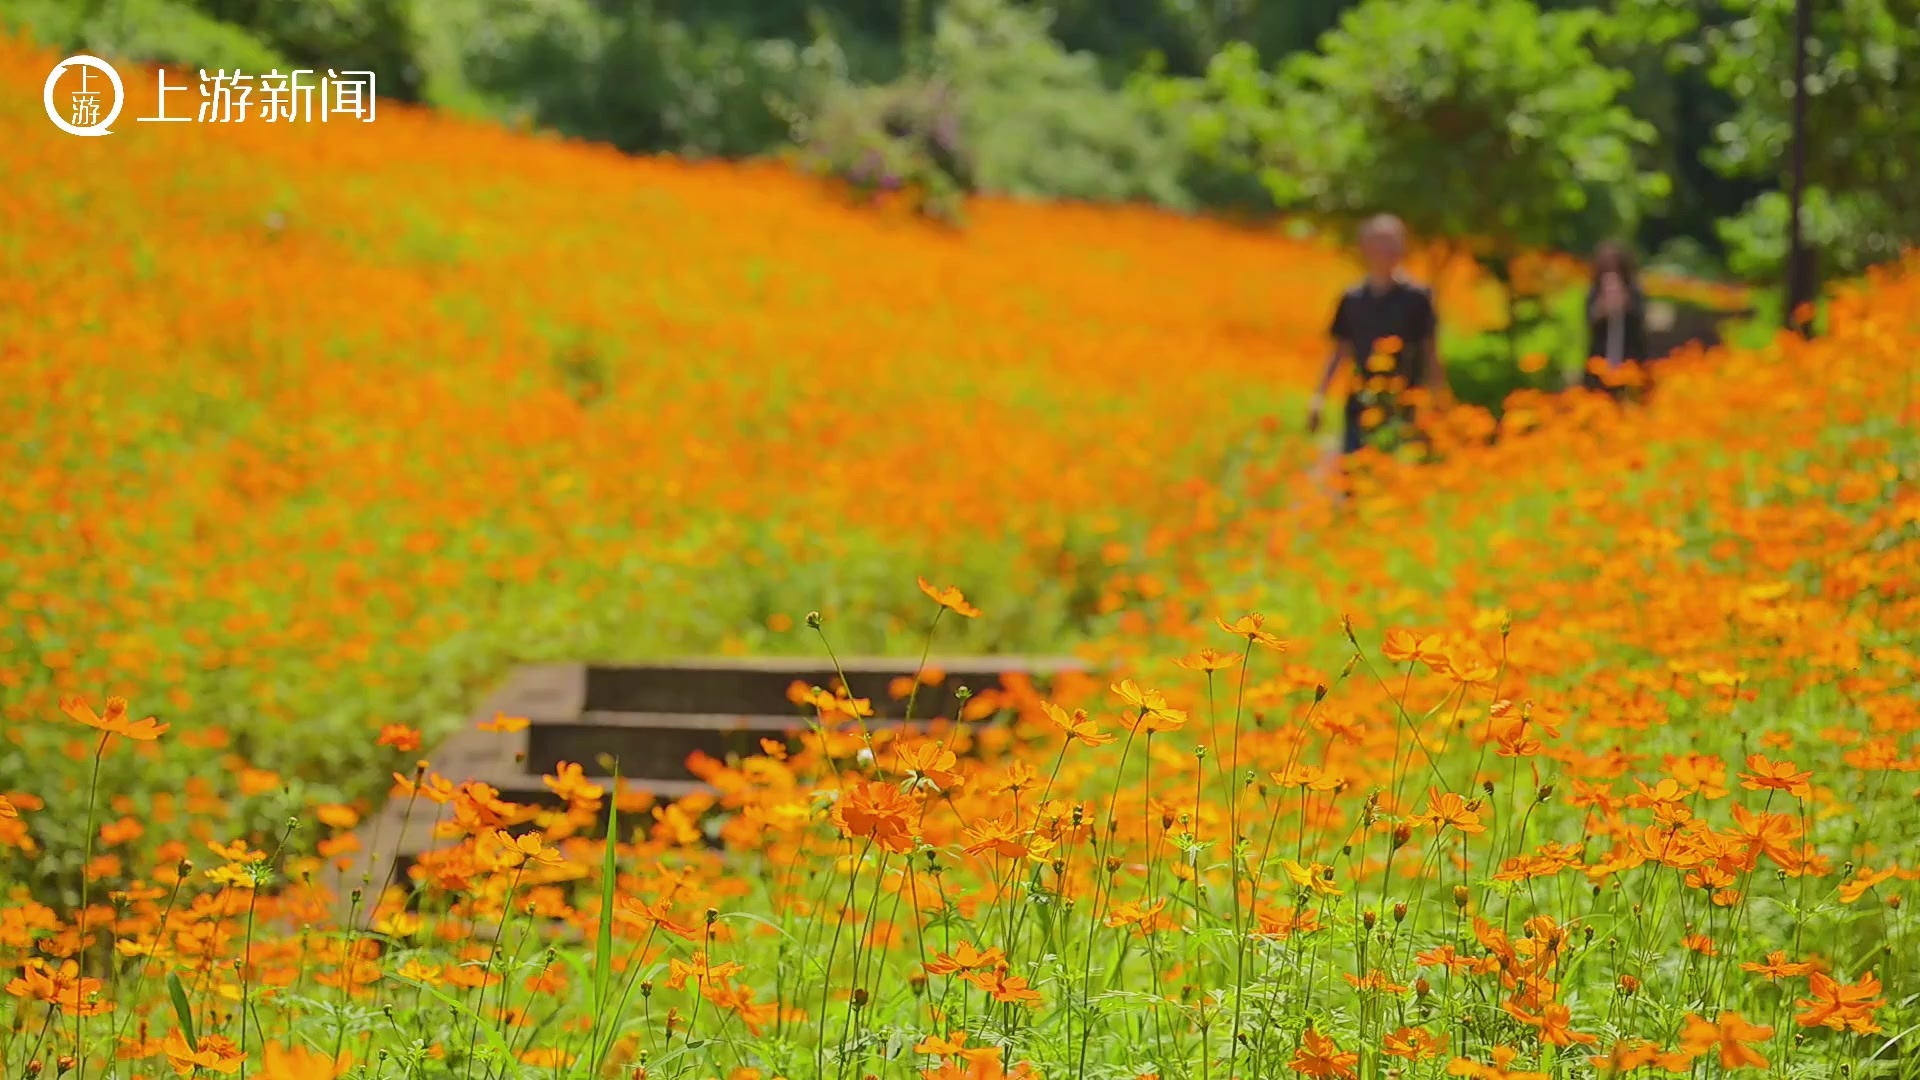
<point x="1863" y="124"/>
<point x="1477" y="119"/>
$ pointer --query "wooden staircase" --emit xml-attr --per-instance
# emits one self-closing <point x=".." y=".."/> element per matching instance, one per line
<point x="651" y="719"/>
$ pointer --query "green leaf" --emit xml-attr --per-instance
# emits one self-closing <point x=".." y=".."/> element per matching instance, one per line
<point x="182" y="1010"/>
<point x="603" y="939"/>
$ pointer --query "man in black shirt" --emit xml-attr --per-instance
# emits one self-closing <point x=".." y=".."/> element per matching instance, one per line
<point x="1385" y="327"/>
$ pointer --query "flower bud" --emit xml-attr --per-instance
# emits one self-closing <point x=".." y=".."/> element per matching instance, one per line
<point x="1400" y="913"/>
<point x="1461" y="896"/>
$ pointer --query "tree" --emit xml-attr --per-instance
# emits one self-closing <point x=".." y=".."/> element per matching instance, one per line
<point x="1863" y="126"/>
<point x="1479" y="119"/>
<point x="999" y="106"/>
<point x="1483" y="121"/>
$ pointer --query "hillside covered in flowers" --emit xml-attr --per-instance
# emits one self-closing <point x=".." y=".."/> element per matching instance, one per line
<point x="1587" y="750"/>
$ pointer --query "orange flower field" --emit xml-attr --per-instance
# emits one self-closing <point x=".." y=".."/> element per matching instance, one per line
<point x="1589" y="751"/>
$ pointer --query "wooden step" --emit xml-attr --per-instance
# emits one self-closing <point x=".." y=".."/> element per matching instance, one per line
<point x="529" y="789"/>
<point x="402" y="835"/>
<point x="650" y="718"/>
<point x="657" y="745"/>
<point x="758" y="686"/>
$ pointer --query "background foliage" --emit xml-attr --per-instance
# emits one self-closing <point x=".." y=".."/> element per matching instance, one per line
<point x="1083" y="100"/>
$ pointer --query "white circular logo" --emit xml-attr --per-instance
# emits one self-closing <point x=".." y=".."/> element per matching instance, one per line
<point x="86" y="118"/>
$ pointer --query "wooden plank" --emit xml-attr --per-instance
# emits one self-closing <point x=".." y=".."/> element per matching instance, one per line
<point x="657" y="745"/>
<point x="551" y="689"/>
<point x="758" y="686"/>
<point x="652" y="717"/>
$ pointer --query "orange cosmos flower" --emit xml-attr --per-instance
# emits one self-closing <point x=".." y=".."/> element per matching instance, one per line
<point x="1497" y="1067"/>
<point x="950" y="598"/>
<point x="1151" y="711"/>
<point x="655" y="914"/>
<point x="569" y="781"/>
<point x="1139" y="914"/>
<point x="527" y="847"/>
<point x="299" y="1063"/>
<point x="400" y="737"/>
<point x="432" y="787"/>
<point x="1628" y="1055"/>
<point x="701" y="970"/>
<point x="216" y="1052"/>
<point x="1004" y="988"/>
<point x="1766" y="834"/>
<point x="114" y="721"/>
<point x="1320" y="1056"/>
<point x="1209" y="659"/>
<point x="503" y="723"/>
<point x="1728" y="1034"/>
<point x="1864" y="879"/>
<point x="1311" y="777"/>
<point x="1315" y="876"/>
<point x="1406" y="647"/>
<point x="1777" y="966"/>
<point x="928" y="763"/>
<point x="6" y="808"/>
<point x="1841" y="1006"/>
<point x="966" y="957"/>
<point x="1250" y="627"/>
<point x="1768" y="775"/>
<point x="1001" y="836"/>
<point x="336" y="816"/>
<point x="1077" y="726"/>
<point x="1447" y="808"/>
<point x="63" y="987"/>
<point x="942" y="1045"/>
<point x="879" y="811"/>
<point x="1375" y="981"/>
<point x="980" y="1064"/>
<point x="1553" y="1020"/>
<point x="1414" y="1044"/>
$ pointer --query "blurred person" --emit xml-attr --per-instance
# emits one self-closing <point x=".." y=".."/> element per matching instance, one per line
<point x="1616" y="320"/>
<point x="1386" y="328"/>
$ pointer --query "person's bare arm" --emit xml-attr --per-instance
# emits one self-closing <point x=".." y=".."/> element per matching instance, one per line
<point x="1320" y="391"/>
